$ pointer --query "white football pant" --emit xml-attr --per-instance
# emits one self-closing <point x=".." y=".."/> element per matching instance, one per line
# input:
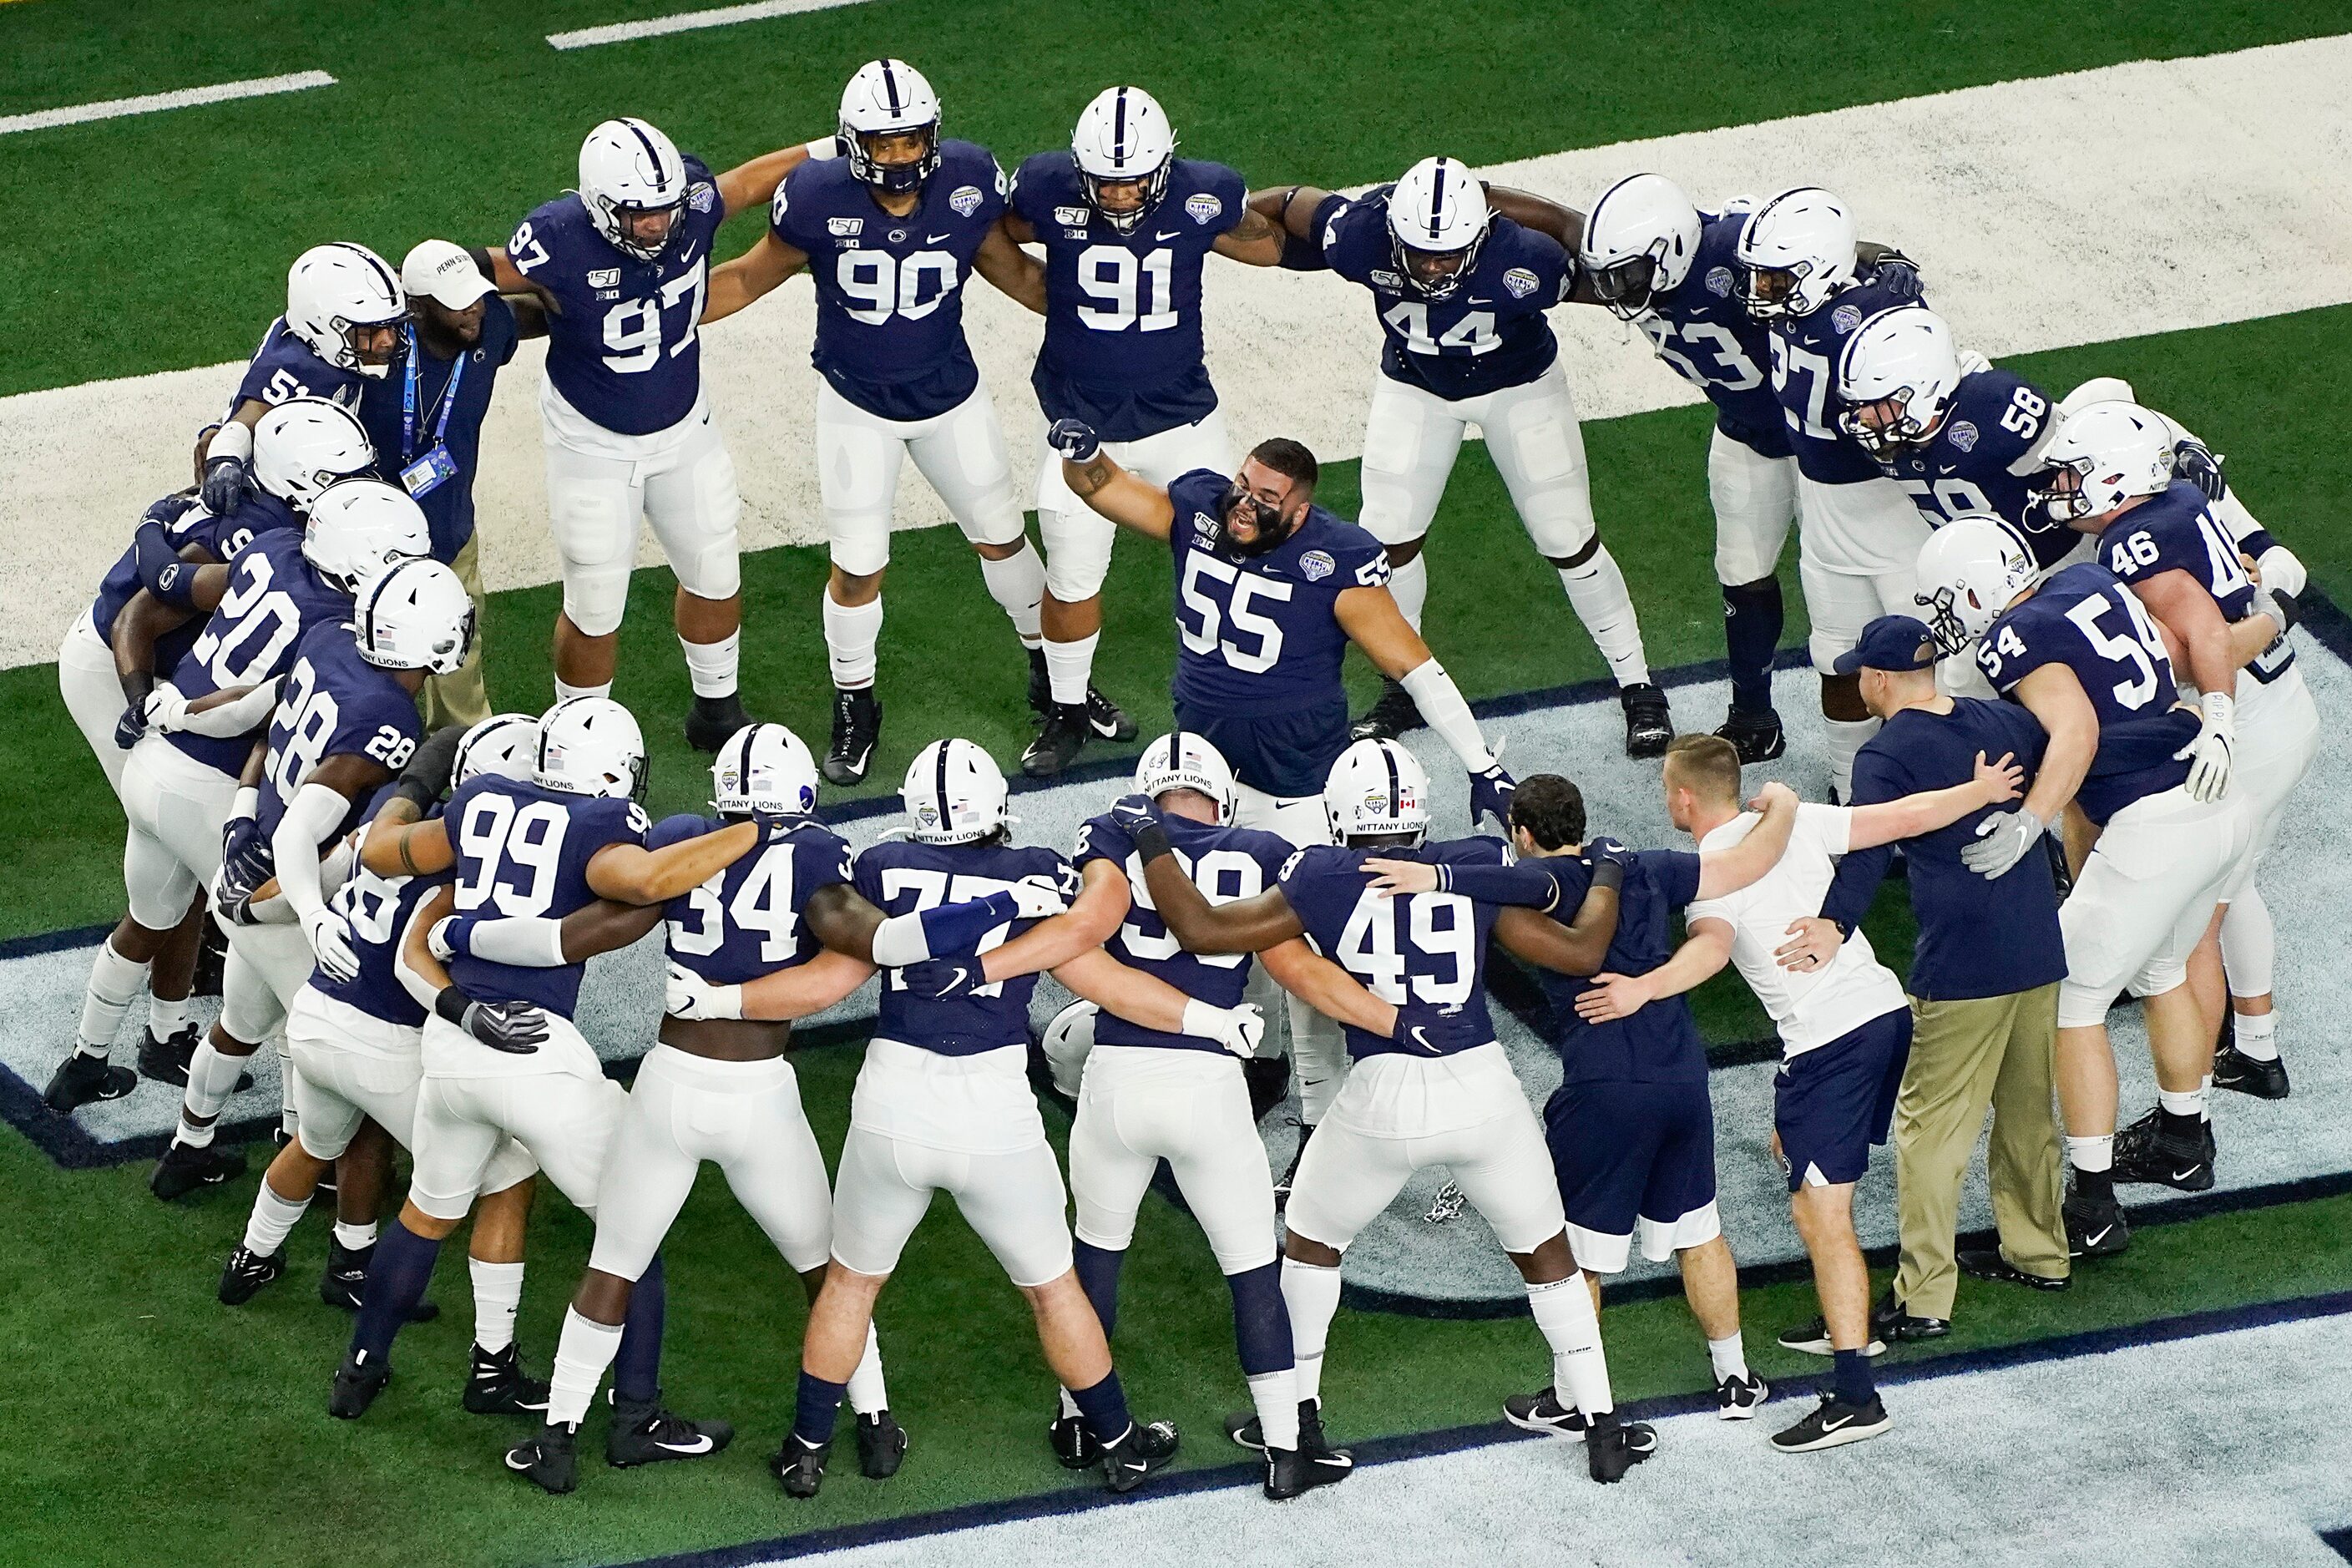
<point x="960" y="453"/>
<point x="600" y="482"/>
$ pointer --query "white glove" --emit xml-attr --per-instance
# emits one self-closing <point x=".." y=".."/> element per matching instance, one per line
<point x="689" y="995"/>
<point x="331" y="943"/>
<point x="1038" y="898"/>
<point x="1972" y="361"/>
<point x="436" y="941"/>
<point x="165" y="710"/>
<point x="2282" y="571"/>
<point x="2207" y="755"/>
<point x="2002" y="840"/>
<point x="1238" y="1029"/>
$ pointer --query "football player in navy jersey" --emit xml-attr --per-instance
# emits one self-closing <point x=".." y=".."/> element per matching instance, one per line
<point x="1126" y="226"/>
<point x="889" y="221"/>
<point x="622" y="266"/>
<point x="2079" y="651"/>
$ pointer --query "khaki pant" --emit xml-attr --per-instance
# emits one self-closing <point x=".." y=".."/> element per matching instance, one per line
<point x="1967" y="1055"/>
<point x="463" y="698"/>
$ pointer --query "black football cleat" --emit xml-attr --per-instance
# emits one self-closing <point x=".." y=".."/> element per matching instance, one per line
<point x="1142" y="1449"/>
<point x="1064" y="735"/>
<point x="2148" y="1152"/>
<point x="1649" y="722"/>
<point x="713" y="719"/>
<point x="246" y="1272"/>
<point x="165" y="1057"/>
<point x="1832" y="1423"/>
<point x="1612" y="1447"/>
<point x="1074" y="1443"/>
<point x="2242" y="1074"/>
<point x="1987" y="1263"/>
<point x="1755" y="736"/>
<point x="856" y="730"/>
<point x="1394" y="713"/>
<point x="548" y="1458"/>
<point x="357" y="1383"/>
<point x="881" y="1445"/>
<point x="496" y="1386"/>
<point x="82" y="1081"/>
<point x="1041" y="684"/>
<point x="799" y="1466"/>
<point x="184" y="1169"/>
<point x="1241" y="1428"/>
<point x="1543" y="1412"/>
<point x="1290" y="1471"/>
<point x="2095" y="1228"/>
<point x="1107" y="719"/>
<point x="642" y="1433"/>
<point x="1738" y="1398"/>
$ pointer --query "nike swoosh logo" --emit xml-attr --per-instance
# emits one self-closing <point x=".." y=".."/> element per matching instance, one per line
<point x="701" y="1445"/>
<point x="1843" y="1421"/>
<point x="2184" y="1175"/>
<point x="936" y="239"/>
<point x="952" y="985"/>
<point x="2098" y="1236"/>
<point x="1168" y="234"/>
<point x="512" y="1466"/>
<point x="1422" y="1038"/>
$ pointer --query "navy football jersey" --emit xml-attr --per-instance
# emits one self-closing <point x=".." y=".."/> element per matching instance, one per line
<point x="1122" y="347"/>
<point x="890" y="291"/>
<point x="1700" y="328"/>
<point x="1489" y="333"/>
<point x="334" y="704"/>
<point x="1225" y="864"/>
<point x="285" y="367"/>
<point x="378" y="910"/>
<point x="746" y="922"/>
<point x="273" y="597"/>
<point x="1424" y="953"/>
<point x="185" y="521"/>
<point x="2176" y="530"/>
<point x="621" y="344"/>
<point x="900" y="877"/>
<point x="1659" y="1044"/>
<point x="524" y="850"/>
<point x="1984" y="458"/>
<point x="2086" y="620"/>
<point x="1805" y="350"/>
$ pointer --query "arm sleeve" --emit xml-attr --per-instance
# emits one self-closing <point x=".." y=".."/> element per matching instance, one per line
<point x="524" y="942"/>
<point x="1443" y="708"/>
<point x="1527" y="885"/>
<point x="309" y="817"/>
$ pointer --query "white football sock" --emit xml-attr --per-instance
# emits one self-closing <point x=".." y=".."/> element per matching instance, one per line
<point x="166" y="1016"/>
<point x="354" y="1238"/>
<point x="712" y="666"/>
<point x="582" y="1352"/>
<point x="114" y="980"/>
<point x="2249" y="945"/>
<point x="1846" y="738"/>
<point x="497" y="1292"/>
<point x="1408" y="586"/>
<point x="851" y="632"/>
<point x="564" y="690"/>
<point x="272" y="1221"/>
<point x="1579" y="1372"/>
<point x="1070" y="666"/>
<point x="1727" y="1356"/>
<point x="2093" y="1154"/>
<point x="1311" y="1292"/>
<point x="1275" y="1396"/>
<point x="2258" y="1036"/>
<point x="1017" y="584"/>
<point x="867" y="1392"/>
<point x="212" y="1078"/>
<point x="1597" y="589"/>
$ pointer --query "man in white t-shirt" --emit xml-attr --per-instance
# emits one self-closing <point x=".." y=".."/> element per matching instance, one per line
<point x="1846" y="1034"/>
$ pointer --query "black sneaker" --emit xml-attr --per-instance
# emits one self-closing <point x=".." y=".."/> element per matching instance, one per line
<point x="1812" y="1337"/>
<point x="1058" y="744"/>
<point x="548" y="1458"/>
<point x="165" y="1057"/>
<point x="1738" y="1398"/>
<point x="1893" y="1322"/>
<point x="1649" y="724"/>
<point x="1074" y="1443"/>
<point x="799" y="1465"/>
<point x="2095" y="1228"/>
<point x="2242" y="1074"/>
<point x="182" y="1169"/>
<point x="1987" y="1263"/>
<point x="496" y="1386"/>
<point x="710" y="725"/>
<point x="642" y="1433"/>
<point x="1755" y="736"/>
<point x="1282" y="1184"/>
<point x="857" y="727"/>
<point x="881" y="1445"/>
<point x="2148" y="1152"/>
<point x="1612" y="1447"/>
<point x="1107" y="718"/>
<point x="1543" y="1412"/>
<point x="344" y="1281"/>
<point x="82" y="1081"/>
<point x="1142" y="1449"/>
<point x="357" y="1383"/>
<point x="1388" y="717"/>
<point x="1832" y="1423"/>
<point x="246" y="1272"/>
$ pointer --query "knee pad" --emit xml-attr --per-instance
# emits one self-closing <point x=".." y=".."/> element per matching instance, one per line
<point x="1077" y="551"/>
<point x="696" y="516"/>
<point x="2159" y="975"/>
<point x="595" y="596"/>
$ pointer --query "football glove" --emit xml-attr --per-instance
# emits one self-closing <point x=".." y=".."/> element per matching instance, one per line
<point x="943" y="979"/>
<point x="165" y="711"/>
<point x="2201" y="466"/>
<point x="517" y="1028"/>
<point x="1238" y="1029"/>
<point x="1074" y="439"/>
<point x="689" y="996"/>
<point x="329" y="937"/>
<point x="225" y="484"/>
<point x="2207" y="755"/>
<point x="1490" y="795"/>
<point x="2002" y="842"/>
<point x="1899" y="273"/>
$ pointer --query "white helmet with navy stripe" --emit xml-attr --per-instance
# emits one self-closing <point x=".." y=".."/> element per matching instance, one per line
<point x="1185" y="759"/>
<point x="1437" y="220"/>
<point x="954" y="794"/>
<point x="333" y="289"/>
<point x="1794" y="252"/>
<point x="1969" y="570"/>
<point x="765" y="768"/>
<point x="626" y="169"/>
<point x="504" y="744"/>
<point x="414" y="615"/>
<point x="1906" y="357"/>
<point x="1124" y="137"/>
<point x="1377" y="789"/>
<point x="889" y="98"/>
<point x="1639" y="239"/>
<point x="305" y="444"/>
<point x="591" y="746"/>
<point x="358" y="527"/>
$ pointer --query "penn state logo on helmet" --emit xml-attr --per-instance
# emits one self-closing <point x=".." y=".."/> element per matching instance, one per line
<point x="954" y="794"/>
<point x="415" y="615"/>
<point x="1184" y="759"/>
<point x="764" y="768"/>
<point x="591" y="746"/>
<point x="1377" y="789"/>
<point x="305" y="444"/>
<point x="358" y="527"/>
<point x="504" y="744"/>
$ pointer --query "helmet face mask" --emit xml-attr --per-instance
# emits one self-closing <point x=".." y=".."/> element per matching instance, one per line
<point x="1639" y="239"/>
<point x="1887" y="427"/>
<point x="2104" y="455"/>
<point x="1971" y="570"/>
<point x="1625" y="286"/>
<point x="1438" y="221"/>
<point x="1897" y="376"/>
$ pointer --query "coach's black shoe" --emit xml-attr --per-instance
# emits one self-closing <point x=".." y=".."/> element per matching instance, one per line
<point x="1755" y="735"/>
<point x="549" y="1458"/>
<point x="1058" y="744"/>
<point x="83" y="1079"/>
<point x="2096" y="1227"/>
<point x="799" y="1465"/>
<point x="642" y="1433"/>
<point x="344" y="1282"/>
<point x="1893" y="1322"/>
<point x="2149" y="1150"/>
<point x="1612" y="1447"/>
<point x="1738" y="1398"/>
<point x="1649" y="724"/>
<point x="496" y="1386"/>
<point x="1833" y="1423"/>
<point x="1987" y="1263"/>
<point x="1074" y="1443"/>
<point x="856" y="728"/>
<point x="1394" y="713"/>
<point x="881" y="1445"/>
<point x="1142" y="1449"/>
<point x="1108" y="720"/>
<point x="357" y="1383"/>
<point x="183" y="1169"/>
<point x="2242" y="1074"/>
<point x="1543" y="1412"/>
<point x="246" y="1272"/>
<point x="1812" y="1337"/>
<point x="713" y="720"/>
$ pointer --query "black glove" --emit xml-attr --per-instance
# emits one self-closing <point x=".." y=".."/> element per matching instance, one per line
<point x="943" y="979"/>
<point x="1135" y="816"/>
<point x="1074" y="439"/>
<point x="224" y="485"/>
<point x="426" y="779"/>
<point x="1610" y="861"/>
<point x="2194" y="462"/>
<point x="245" y="864"/>
<point x="517" y="1028"/>
<point x="1900" y="275"/>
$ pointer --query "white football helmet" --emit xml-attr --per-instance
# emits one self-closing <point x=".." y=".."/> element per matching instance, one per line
<point x="591" y="746"/>
<point x="1124" y="137"/>
<point x="1376" y="788"/>
<point x="1068" y="1040"/>
<point x="414" y="615"/>
<point x="954" y="794"/>
<point x="1185" y="759"/>
<point x="361" y="526"/>
<point x="1905" y="356"/>
<point x="765" y="768"/>
<point x="333" y="289"/>
<point x="305" y="444"/>
<point x="1438" y="210"/>
<point x="1969" y="570"/>
<point x="1639" y="239"/>
<point x="504" y="744"/>
<point x="1805" y="239"/>
<point x="887" y="98"/>
<point x="2117" y="450"/>
<point x="628" y="167"/>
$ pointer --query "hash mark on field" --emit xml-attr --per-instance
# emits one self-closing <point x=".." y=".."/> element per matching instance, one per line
<point x="690" y="21"/>
<point x="155" y="102"/>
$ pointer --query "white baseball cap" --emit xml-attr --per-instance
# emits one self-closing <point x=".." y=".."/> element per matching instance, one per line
<point x="445" y="274"/>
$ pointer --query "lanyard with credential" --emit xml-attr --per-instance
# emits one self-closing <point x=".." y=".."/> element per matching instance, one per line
<point x="408" y="400"/>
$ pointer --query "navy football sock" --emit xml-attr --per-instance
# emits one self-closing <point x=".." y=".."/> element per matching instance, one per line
<point x="1097" y="1268"/>
<point x="1105" y="1407"/>
<point x="1751" y="634"/>
<point x="397" y="1275"/>
<point x="636" y="1368"/>
<point x="1261" y="1320"/>
<point x="1850" y="1377"/>
<point x="816" y="1408"/>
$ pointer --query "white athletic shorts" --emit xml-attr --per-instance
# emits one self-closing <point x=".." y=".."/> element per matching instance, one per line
<point x="1079" y="537"/>
<point x="2278" y="737"/>
<point x="2144" y="899"/>
<point x="1411" y="438"/>
<point x="1755" y="500"/>
<point x="94" y="696"/>
<point x="565" y="1118"/>
<point x="600" y="482"/>
<point x="1141" y="1104"/>
<point x="743" y="1117"/>
<point x="962" y="453"/>
<point x="268" y="966"/>
<point x="1399" y="1113"/>
<point x="175" y="807"/>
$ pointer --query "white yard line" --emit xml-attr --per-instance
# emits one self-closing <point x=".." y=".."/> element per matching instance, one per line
<point x="156" y="102"/>
<point x="690" y="21"/>
<point x="2080" y="208"/>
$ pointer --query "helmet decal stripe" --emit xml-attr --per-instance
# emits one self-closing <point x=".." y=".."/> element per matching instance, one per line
<point x="637" y="129"/>
<point x="383" y="275"/>
<point x="947" y="822"/>
<point x="1436" y="218"/>
<point x="1395" y="786"/>
<point x="890" y="86"/>
<point x="1119" y="129"/>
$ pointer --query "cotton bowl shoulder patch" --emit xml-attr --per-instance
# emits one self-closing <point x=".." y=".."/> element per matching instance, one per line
<point x="1963" y="437"/>
<point x="1204" y="207"/>
<point x="966" y="200"/>
<point x="1383" y="278"/>
<point x="1521" y="281"/>
<point x="1846" y="318"/>
<point x="1316" y="564"/>
<point x="1075" y="216"/>
<point x="704" y="195"/>
<point x="1718" y="282"/>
